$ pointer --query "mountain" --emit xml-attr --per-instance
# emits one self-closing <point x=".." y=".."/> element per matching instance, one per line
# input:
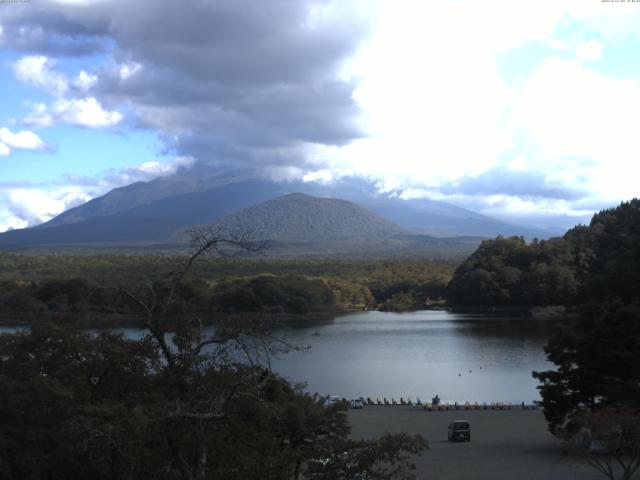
<point x="152" y="212"/>
<point x="299" y="225"/>
<point x="297" y="217"/>
<point x="178" y="187"/>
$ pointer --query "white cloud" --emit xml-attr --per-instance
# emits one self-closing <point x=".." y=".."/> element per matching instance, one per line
<point x="279" y="173"/>
<point x="581" y="123"/>
<point x="433" y="100"/>
<point x="26" y="207"/>
<point x="24" y="140"/>
<point x="33" y="206"/>
<point x="154" y="168"/>
<point x="320" y="176"/>
<point x="519" y="164"/>
<point x="438" y="107"/>
<point x="591" y="50"/>
<point x="11" y="222"/>
<point x="4" y="150"/>
<point x="37" y="70"/>
<point x="84" y="80"/>
<point x="129" y="69"/>
<point x="86" y="112"/>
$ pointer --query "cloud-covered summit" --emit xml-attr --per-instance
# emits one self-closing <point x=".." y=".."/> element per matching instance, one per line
<point x="224" y="81"/>
<point x="513" y="109"/>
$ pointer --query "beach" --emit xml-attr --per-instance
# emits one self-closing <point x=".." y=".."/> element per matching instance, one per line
<point x="505" y="444"/>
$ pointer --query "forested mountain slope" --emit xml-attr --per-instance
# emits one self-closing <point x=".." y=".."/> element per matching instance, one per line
<point x="305" y="218"/>
<point x="589" y="263"/>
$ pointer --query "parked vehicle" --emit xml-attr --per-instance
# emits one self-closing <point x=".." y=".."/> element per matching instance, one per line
<point x="597" y="447"/>
<point x="357" y="403"/>
<point x="459" y="431"/>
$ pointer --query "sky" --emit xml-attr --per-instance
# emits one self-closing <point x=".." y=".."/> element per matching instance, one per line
<point x="527" y="111"/>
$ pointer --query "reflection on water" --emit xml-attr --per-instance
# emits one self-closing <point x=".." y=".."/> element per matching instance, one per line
<point x="458" y="356"/>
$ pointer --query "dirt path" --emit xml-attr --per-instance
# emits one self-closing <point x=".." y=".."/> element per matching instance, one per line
<point x="509" y="444"/>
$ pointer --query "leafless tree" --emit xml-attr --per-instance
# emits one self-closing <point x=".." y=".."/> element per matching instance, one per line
<point x="188" y="349"/>
<point x="610" y="441"/>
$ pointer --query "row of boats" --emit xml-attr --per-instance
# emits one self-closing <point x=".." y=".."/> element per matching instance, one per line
<point x="436" y="404"/>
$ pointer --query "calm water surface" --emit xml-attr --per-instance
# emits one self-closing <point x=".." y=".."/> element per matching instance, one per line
<point x="461" y="357"/>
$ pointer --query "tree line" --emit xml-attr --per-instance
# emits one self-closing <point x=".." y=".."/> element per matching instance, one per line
<point x="74" y="285"/>
<point x="596" y="262"/>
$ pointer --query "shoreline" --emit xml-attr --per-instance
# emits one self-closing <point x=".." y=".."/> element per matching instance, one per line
<point x="280" y="319"/>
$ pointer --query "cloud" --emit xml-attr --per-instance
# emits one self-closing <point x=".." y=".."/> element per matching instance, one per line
<point x="30" y="206"/>
<point x="558" y="213"/>
<point x="43" y="28"/>
<point x="260" y="80"/>
<point x="447" y="98"/>
<point x="4" y="150"/>
<point x="526" y="185"/>
<point x="84" y="81"/>
<point x="24" y="204"/>
<point x="321" y="176"/>
<point x="144" y="172"/>
<point x="38" y="71"/>
<point x="22" y="140"/>
<point x="591" y="50"/>
<point x="9" y="221"/>
<point x="580" y="126"/>
<point x="41" y="72"/>
<point x="85" y="112"/>
<point x="444" y="117"/>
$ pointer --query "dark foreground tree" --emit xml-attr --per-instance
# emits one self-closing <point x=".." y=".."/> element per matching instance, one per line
<point x="597" y="362"/>
<point x="183" y="402"/>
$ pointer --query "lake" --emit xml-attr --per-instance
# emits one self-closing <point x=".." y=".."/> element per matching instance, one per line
<point x="460" y="357"/>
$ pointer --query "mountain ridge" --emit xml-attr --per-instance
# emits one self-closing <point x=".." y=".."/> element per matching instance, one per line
<point x="152" y="212"/>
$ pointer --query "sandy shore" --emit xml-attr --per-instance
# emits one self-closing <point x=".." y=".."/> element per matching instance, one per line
<point x="508" y="444"/>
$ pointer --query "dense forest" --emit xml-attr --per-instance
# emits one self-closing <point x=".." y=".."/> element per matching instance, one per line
<point x="595" y="269"/>
<point x="85" y="286"/>
<point x="596" y="262"/>
<point x="592" y="392"/>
